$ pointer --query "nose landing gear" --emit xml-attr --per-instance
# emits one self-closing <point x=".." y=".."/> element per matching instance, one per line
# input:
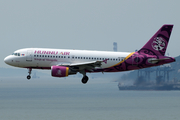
<point x="29" y="71"/>
<point x="28" y="77"/>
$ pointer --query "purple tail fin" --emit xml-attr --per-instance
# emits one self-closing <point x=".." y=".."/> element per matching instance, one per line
<point x="158" y="43"/>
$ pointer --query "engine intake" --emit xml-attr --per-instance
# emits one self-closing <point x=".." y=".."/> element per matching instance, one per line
<point x="61" y="71"/>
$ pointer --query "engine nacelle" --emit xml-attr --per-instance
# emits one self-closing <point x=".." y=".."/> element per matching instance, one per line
<point x="59" y="71"/>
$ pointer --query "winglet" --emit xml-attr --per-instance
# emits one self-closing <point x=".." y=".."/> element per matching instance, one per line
<point x="157" y="45"/>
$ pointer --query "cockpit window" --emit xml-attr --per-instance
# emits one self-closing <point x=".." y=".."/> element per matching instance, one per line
<point x="16" y="54"/>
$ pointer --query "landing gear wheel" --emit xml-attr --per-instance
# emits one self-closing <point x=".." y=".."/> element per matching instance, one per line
<point x="28" y="77"/>
<point x="85" y="79"/>
<point x="29" y="71"/>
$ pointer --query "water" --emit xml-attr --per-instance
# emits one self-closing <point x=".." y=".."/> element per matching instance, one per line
<point x="70" y="100"/>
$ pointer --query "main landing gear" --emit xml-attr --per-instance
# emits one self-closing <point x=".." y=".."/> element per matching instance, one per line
<point x="29" y="71"/>
<point x="85" y="78"/>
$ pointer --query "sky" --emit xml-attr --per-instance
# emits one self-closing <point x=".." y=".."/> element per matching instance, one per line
<point x="85" y="24"/>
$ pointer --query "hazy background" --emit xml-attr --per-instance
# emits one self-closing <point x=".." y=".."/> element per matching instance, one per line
<point x="82" y="24"/>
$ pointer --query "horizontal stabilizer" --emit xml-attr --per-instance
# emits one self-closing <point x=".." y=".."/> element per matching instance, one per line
<point x="153" y="60"/>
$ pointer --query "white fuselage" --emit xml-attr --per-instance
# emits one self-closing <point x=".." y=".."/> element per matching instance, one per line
<point x="64" y="62"/>
<point x="42" y="58"/>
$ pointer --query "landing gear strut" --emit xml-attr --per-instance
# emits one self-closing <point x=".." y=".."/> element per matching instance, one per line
<point x="29" y="71"/>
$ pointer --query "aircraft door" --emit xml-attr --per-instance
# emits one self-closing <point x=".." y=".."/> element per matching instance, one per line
<point x="29" y="55"/>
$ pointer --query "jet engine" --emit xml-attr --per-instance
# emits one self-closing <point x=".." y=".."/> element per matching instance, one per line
<point x="61" y="71"/>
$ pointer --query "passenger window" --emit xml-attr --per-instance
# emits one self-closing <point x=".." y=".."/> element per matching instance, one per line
<point x="61" y="56"/>
<point x="64" y="56"/>
<point x="37" y="56"/>
<point x="42" y="55"/>
<point x="68" y="57"/>
<point x="34" y="55"/>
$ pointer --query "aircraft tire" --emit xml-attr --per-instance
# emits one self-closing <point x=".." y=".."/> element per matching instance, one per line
<point x="28" y="77"/>
<point x="85" y="79"/>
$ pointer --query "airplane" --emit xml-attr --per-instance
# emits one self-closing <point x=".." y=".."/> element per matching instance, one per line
<point x="64" y="62"/>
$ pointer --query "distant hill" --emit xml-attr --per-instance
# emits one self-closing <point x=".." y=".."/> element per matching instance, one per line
<point x="176" y="67"/>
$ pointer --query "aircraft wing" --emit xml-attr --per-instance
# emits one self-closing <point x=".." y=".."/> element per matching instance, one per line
<point x="83" y="65"/>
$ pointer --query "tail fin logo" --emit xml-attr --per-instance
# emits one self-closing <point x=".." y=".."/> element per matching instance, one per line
<point x="158" y="43"/>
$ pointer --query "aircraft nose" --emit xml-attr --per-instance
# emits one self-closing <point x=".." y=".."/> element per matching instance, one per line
<point x="7" y="60"/>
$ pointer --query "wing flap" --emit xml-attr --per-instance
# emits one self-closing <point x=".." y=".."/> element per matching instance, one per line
<point x="83" y="65"/>
<point x="95" y="63"/>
